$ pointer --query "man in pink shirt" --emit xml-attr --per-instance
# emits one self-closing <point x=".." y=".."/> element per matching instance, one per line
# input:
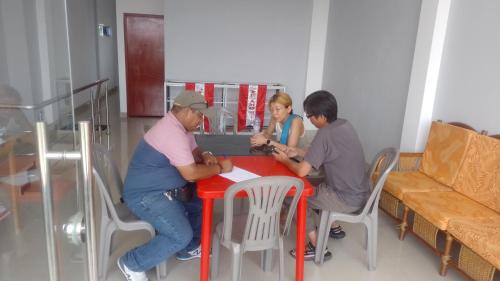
<point x="165" y="161"/>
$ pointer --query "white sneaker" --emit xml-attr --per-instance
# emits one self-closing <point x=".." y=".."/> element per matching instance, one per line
<point x="129" y="274"/>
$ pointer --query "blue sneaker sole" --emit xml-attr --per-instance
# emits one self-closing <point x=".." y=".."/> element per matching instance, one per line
<point x="187" y="258"/>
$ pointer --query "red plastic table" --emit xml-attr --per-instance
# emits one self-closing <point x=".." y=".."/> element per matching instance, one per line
<point x="214" y="187"/>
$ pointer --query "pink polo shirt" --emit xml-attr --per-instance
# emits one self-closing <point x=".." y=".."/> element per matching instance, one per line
<point x="171" y="139"/>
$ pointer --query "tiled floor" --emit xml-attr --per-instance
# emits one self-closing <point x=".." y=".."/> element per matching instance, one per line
<point x="23" y="257"/>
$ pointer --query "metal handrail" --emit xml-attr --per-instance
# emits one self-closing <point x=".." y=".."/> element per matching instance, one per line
<point x="53" y="100"/>
<point x="34" y="106"/>
<point x="83" y="88"/>
<point x="75" y="92"/>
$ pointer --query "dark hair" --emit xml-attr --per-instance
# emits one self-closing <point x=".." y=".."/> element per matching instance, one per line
<point x="321" y="103"/>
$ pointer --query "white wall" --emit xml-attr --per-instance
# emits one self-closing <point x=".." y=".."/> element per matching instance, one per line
<point x="83" y="44"/>
<point x="107" y="53"/>
<point x="431" y="34"/>
<point x="316" y="55"/>
<point x="3" y="53"/>
<point x="18" y="67"/>
<point x="469" y="87"/>
<point x="33" y="51"/>
<point x="368" y="61"/>
<point x="239" y="41"/>
<point x="154" y="7"/>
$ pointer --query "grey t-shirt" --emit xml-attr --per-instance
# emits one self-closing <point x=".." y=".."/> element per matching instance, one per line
<point x="337" y="147"/>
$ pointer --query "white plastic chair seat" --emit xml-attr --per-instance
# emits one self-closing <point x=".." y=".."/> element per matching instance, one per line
<point x="123" y="212"/>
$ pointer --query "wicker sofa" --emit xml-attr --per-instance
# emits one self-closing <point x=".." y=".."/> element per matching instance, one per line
<point x="451" y="190"/>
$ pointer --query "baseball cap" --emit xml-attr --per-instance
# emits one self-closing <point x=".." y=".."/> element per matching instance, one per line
<point x="195" y="101"/>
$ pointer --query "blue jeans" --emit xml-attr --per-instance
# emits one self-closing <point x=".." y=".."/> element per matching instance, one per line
<point x="178" y="227"/>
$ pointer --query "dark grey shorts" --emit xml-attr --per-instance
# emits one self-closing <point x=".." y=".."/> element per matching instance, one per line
<point x="325" y="199"/>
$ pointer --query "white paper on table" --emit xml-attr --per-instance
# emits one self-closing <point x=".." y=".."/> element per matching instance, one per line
<point x="238" y="174"/>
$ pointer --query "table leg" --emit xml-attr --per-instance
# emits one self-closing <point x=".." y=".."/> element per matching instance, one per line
<point x="301" y="228"/>
<point x="206" y="225"/>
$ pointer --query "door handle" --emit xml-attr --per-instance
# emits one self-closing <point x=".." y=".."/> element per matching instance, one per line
<point x="75" y="229"/>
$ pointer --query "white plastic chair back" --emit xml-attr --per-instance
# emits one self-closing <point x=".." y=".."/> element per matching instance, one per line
<point x="261" y="225"/>
<point x="383" y="163"/>
<point x="219" y="122"/>
<point x="109" y="172"/>
<point x="265" y="196"/>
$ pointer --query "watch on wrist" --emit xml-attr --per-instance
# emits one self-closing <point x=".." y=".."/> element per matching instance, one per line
<point x="207" y="152"/>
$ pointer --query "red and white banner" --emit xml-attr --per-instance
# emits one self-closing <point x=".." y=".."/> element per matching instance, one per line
<point x="251" y="104"/>
<point x="206" y="89"/>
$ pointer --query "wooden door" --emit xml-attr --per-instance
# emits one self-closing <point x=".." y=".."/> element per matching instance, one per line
<point x="144" y="64"/>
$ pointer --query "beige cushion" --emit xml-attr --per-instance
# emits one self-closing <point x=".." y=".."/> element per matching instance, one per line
<point x="479" y="176"/>
<point x="399" y="183"/>
<point x="482" y="235"/>
<point x="445" y="152"/>
<point x="438" y="207"/>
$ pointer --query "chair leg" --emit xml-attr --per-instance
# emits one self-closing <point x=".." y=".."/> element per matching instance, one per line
<point x="375" y="242"/>
<point x="372" y="229"/>
<point x="161" y="271"/>
<point x="282" y="260"/>
<point x="367" y="237"/>
<point x="266" y="260"/>
<point x="107" y="252"/>
<point x="237" y="258"/>
<point x="404" y="224"/>
<point x="214" y="270"/>
<point x="100" y="267"/>
<point x="322" y="237"/>
<point x="445" y="257"/>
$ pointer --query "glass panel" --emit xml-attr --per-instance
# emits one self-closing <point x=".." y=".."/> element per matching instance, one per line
<point x="35" y="85"/>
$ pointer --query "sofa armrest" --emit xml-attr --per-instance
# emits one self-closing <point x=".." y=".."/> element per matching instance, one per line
<point x="409" y="161"/>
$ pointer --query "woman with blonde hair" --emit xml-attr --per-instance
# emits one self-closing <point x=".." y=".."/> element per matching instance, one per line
<point x="289" y="127"/>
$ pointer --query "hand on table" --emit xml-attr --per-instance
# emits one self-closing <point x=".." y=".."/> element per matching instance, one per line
<point x="291" y="151"/>
<point x="258" y="139"/>
<point x="279" y="155"/>
<point x="226" y="165"/>
<point x="209" y="158"/>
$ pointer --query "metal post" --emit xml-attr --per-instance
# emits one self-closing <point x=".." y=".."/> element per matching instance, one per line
<point x="108" y="130"/>
<point x="47" y="200"/>
<point x="98" y="115"/>
<point x="92" y="113"/>
<point x="88" y="197"/>
<point x="225" y="110"/>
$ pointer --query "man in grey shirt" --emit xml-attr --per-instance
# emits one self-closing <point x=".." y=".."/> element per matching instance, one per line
<point x="337" y="148"/>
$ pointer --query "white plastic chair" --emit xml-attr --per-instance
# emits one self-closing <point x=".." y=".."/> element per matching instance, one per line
<point x="114" y="216"/>
<point x="383" y="163"/>
<point x="260" y="229"/>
